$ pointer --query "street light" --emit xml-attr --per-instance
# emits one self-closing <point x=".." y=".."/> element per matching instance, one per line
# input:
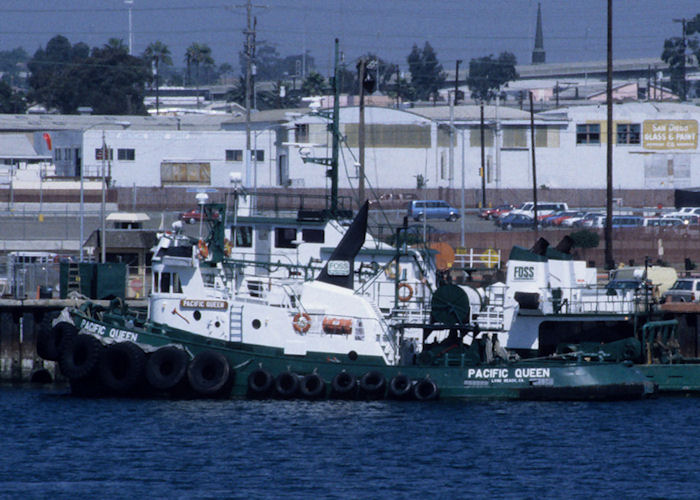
<point x="130" y="3"/>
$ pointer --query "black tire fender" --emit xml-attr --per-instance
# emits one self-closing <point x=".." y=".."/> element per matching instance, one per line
<point x="260" y="382"/>
<point x="166" y="367"/>
<point x="287" y="384"/>
<point x="344" y="385"/>
<point x="373" y="384"/>
<point x="48" y="342"/>
<point x="400" y="386"/>
<point x="209" y="374"/>
<point x="80" y="356"/>
<point x="425" y="390"/>
<point x="122" y="367"/>
<point x="312" y="386"/>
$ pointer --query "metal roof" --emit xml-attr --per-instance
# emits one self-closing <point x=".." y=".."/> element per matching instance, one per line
<point x="19" y="147"/>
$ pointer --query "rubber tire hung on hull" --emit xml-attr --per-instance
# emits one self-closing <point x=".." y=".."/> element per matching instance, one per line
<point x="80" y="356"/>
<point x="166" y="367"/>
<point x="209" y="374"/>
<point x="373" y="384"/>
<point x="312" y="386"/>
<point x="260" y="382"/>
<point x="49" y="339"/>
<point x="122" y="367"/>
<point x="400" y="387"/>
<point x="344" y="385"/>
<point x="287" y="384"/>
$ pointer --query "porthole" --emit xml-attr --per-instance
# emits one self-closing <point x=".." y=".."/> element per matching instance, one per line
<point x="197" y="315"/>
<point x="217" y="324"/>
<point x="352" y="355"/>
<point x="257" y="324"/>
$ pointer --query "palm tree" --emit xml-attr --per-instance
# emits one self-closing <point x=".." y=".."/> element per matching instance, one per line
<point x="157" y="53"/>
<point x="199" y="54"/>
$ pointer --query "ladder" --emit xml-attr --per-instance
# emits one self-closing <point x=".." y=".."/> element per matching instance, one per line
<point x="235" y="322"/>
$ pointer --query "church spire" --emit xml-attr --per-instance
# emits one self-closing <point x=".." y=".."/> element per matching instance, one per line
<point x="538" y="55"/>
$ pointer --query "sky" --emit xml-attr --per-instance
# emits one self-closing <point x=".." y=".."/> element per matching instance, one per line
<point x="456" y="29"/>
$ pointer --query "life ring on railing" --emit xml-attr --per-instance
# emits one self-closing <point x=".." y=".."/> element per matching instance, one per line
<point x="405" y="297"/>
<point x="203" y="249"/>
<point x="228" y="247"/>
<point x="301" y="322"/>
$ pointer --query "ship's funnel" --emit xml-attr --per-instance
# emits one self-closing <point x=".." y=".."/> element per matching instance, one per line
<point x="340" y="268"/>
<point x="540" y="247"/>
<point x="565" y="245"/>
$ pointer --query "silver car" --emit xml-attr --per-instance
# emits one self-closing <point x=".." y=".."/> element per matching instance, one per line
<point x="683" y="290"/>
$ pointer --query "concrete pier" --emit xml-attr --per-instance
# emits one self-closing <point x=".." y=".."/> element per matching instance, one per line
<point x="20" y="323"/>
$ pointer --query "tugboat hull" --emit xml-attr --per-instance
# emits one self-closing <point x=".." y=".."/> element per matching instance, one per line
<point x="315" y="374"/>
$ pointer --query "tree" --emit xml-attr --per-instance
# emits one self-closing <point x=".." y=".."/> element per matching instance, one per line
<point x="675" y="52"/>
<point x="427" y="75"/>
<point x="65" y="77"/>
<point x="12" y="63"/>
<point x="487" y="75"/>
<point x="112" y="81"/>
<point x="199" y="55"/>
<point x="314" y="85"/>
<point x="11" y="102"/>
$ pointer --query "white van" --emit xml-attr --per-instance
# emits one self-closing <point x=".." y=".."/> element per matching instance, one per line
<point x="543" y="208"/>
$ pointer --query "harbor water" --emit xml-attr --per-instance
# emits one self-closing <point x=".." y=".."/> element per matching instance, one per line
<point x="59" y="446"/>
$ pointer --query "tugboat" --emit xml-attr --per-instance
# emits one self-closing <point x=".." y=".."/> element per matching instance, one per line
<point x="551" y="303"/>
<point x="208" y="334"/>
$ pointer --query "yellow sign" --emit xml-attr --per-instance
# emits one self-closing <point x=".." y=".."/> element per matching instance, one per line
<point x="670" y="134"/>
<point x="490" y="256"/>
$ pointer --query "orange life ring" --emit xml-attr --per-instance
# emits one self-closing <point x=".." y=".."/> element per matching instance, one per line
<point x="203" y="249"/>
<point x="301" y="322"/>
<point x="228" y="246"/>
<point x="408" y="295"/>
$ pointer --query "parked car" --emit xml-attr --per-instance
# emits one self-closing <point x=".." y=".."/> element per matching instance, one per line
<point x="662" y="221"/>
<point x="512" y="221"/>
<point x="588" y="220"/>
<point x="432" y="209"/>
<point x="495" y="212"/>
<point x="627" y="221"/>
<point x="683" y="290"/>
<point x="195" y="215"/>
<point x="543" y="208"/>
<point x="563" y="218"/>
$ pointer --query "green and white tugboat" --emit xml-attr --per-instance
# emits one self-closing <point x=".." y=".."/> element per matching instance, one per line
<point x="208" y="334"/>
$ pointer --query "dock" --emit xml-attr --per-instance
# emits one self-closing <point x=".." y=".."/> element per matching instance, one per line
<point x="21" y="320"/>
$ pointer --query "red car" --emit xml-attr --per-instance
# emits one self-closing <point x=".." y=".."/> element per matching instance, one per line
<point x="195" y="215"/>
<point x="495" y="212"/>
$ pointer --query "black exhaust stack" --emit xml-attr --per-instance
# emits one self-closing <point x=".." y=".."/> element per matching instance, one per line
<point x="340" y="268"/>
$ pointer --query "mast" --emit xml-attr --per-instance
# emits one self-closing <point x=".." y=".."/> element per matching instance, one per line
<point x="333" y="172"/>
<point x="332" y="162"/>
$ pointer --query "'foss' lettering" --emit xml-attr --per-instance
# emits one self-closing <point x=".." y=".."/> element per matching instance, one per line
<point x="524" y="272"/>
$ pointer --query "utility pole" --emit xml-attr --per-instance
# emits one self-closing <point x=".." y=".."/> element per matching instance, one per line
<point x="683" y="44"/>
<point x="361" y="68"/>
<point x="249" y="40"/>
<point x="534" y="166"/>
<point x="456" y="99"/>
<point x="609" y="260"/>
<point x="483" y="159"/>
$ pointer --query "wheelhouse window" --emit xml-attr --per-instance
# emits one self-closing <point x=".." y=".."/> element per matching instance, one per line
<point x="588" y="133"/>
<point x="301" y="132"/>
<point x="126" y="154"/>
<point x="284" y="236"/>
<point x="313" y="235"/>
<point x="628" y="133"/>
<point x="243" y="236"/>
